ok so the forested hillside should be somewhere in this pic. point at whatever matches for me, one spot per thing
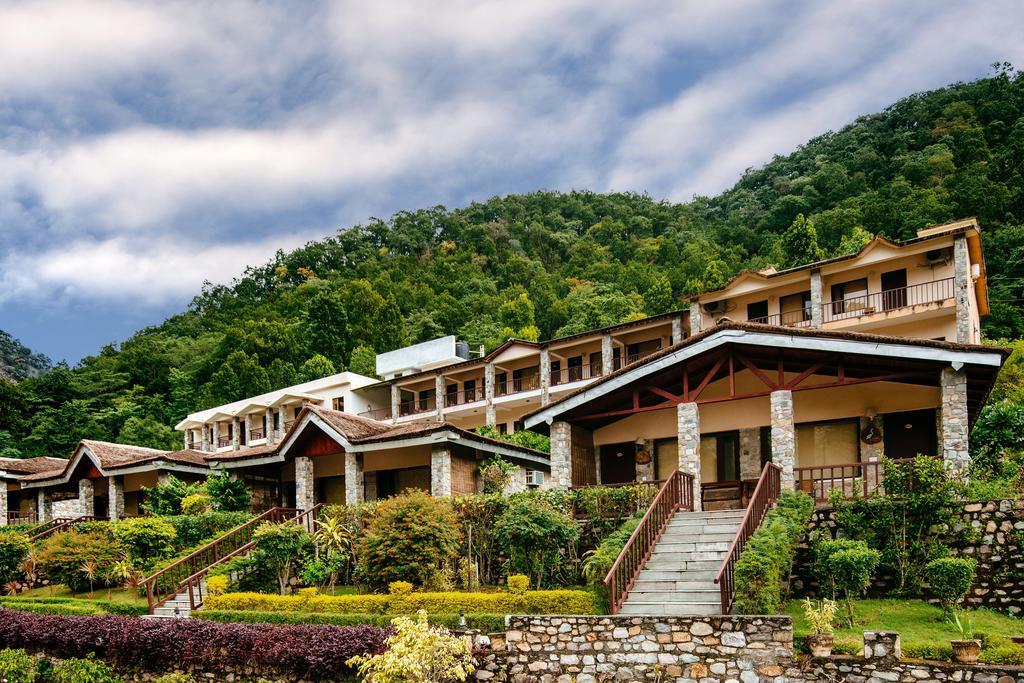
(546, 264)
(17, 361)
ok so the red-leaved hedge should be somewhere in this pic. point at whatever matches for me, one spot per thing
(162, 644)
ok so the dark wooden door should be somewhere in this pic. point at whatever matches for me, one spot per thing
(894, 289)
(909, 434)
(618, 463)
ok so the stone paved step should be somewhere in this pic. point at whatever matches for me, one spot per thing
(719, 532)
(678, 574)
(673, 546)
(670, 564)
(643, 585)
(671, 597)
(672, 610)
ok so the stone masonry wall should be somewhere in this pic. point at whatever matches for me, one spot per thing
(998, 547)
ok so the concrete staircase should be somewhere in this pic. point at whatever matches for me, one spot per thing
(679, 577)
(177, 607)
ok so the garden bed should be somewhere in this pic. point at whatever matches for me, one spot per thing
(924, 631)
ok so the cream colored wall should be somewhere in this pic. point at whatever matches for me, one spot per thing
(396, 458)
(660, 332)
(941, 325)
(329, 465)
(135, 482)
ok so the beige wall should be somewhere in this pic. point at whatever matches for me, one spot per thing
(396, 458)
(329, 465)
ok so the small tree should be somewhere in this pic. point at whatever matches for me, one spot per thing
(282, 547)
(14, 548)
(146, 539)
(496, 474)
(950, 579)
(418, 653)
(846, 567)
(534, 532)
(227, 494)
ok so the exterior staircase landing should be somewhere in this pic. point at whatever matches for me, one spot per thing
(679, 577)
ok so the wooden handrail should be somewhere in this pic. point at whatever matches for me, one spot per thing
(57, 525)
(819, 481)
(767, 491)
(675, 494)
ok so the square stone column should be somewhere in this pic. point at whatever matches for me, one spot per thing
(688, 446)
(606, 355)
(86, 497)
(750, 453)
(816, 300)
(561, 457)
(280, 422)
(268, 426)
(439, 396)
(3, 503)
(236, 433)
(44, 506)
(304, 494)
(961, 291)
(215, 437)
(440, 470)
(694, 318)
(784, 436)
(492, 414)
(644, 471)
(953, 442)
(353, 478)
(677, 329)
(115, 498)
(247, 434)
(203, 443)
(545, 376)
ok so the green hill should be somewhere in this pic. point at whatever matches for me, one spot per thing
(548, 263)
(17, 362)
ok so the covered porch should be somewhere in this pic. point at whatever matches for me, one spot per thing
(823, 406)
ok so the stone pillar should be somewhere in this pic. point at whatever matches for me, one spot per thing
(247, 434)
(816, 299)
(268, 426)
(961, 283)
(883, 647)
(163, 476)
(440, 470)
(185, 443)
(85, 497)
(236, 428)
(215, 437)
(370, 486)
(545, 376)
(439, 397)
(644, 471)
(492, 414)
(870, 453)
(280, 420)
(694, 318)
(3, 503)
(606, 354)
(561, 457)
(784, 435)
(304, 494)
(353, 478)
(688, 445)
(204, 444)
(44, 506)
(953, 421)
(750, 453)
(677, 329)
(115, 498)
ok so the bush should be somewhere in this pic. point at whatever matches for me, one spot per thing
(217, 585)
(410, 539)
(196, 504)
(308, 652)
(61, 557)
(86, 670)
(998, 431)
(767, 558)
(531, 602)
(399, 588)
(599, 561)
(196, 530)
(165, 498)
(14, 547)
(227, 494)
(534, 533)
(18, 666)
(518, 584)
(496, 473)
(418, 653)
(175, 678)
(146, 539)
(282, 547)
(488, 623)
(846, 567)
(950, 579)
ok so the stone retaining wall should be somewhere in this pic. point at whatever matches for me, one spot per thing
(998, 547)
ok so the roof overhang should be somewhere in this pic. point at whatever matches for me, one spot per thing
(83, 452)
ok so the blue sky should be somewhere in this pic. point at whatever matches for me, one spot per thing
(147, 147)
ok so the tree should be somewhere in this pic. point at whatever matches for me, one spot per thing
(363, 361)
(227, 494)
(282, 547)
(799, 243)
(281, 374)
(241, 375)
(658, 297)
(315, 368)
(58, 430)
(325, 327)
(148, 432)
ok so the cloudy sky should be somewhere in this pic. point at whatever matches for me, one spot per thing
(145, 148)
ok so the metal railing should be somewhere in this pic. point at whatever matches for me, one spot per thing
(890, 299)
(377, 414)
(18, 517)
(416, 406)
(223, 441)
(517, 385)
(799, 318)
(255, 434)
(620, 362)
(675, 494)
(576, 373)
(195, 584)
(56, 526)
(766, 492)
(865, 478)
(464, 396)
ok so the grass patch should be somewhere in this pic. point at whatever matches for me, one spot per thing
(924, 631)
(118, 595)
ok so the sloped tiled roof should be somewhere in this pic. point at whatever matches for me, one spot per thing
(32, 465)
(112, 456)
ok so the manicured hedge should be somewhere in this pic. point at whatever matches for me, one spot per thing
(310, 652)
(488, 623)
(767, 558)
(531, 602)
(72, 606)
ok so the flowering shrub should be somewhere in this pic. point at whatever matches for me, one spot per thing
(418, 653)
(61, 557)
(160, 644)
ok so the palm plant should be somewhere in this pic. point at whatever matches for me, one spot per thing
(126, 574)
(334, 539)
(90, 569)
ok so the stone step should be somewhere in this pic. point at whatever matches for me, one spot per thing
(672, 609)
(673, 546)
(701, 522)
(687, 556)
(706, 575)
(686, 530)
(645, 585)
(669, 564)
(673, 596)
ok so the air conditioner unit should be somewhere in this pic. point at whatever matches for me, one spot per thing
(716, 306)
(936, 256)
(534, 478)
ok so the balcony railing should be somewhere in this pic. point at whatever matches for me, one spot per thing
(859, 478)
(891, 299)
(800, 318)
(377, 414)
(576, 373)
(517, 385)
(256, 434)
(417, 406)
(223, 441)
(617, 363)
(458, 398)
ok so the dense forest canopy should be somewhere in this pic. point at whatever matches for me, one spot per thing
(546, 264)
(17, 361)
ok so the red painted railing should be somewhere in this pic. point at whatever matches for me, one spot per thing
(675, 494)
(179, 576)
(863, 477)
(766, 492)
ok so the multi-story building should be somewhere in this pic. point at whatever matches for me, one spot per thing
(820, 368)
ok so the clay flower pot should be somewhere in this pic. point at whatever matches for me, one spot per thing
(820, 644)
(966, 651)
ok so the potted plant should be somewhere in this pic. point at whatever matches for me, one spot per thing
(967, 649)
(819, 616)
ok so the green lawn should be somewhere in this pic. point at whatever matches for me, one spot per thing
(100, 595)
(924, 632)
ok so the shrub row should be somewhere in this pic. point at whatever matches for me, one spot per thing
(160, 644)
(488, 623)
(767, 558)
(72, 606)
(531, 602)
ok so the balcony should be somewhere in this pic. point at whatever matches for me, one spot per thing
(800, 318)
(892, 299)
(458, 398)
(255, 434)
(223, 441)
(517, 385)
(417, 406)
(576, 373)
(617, 363)
(377, 414)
